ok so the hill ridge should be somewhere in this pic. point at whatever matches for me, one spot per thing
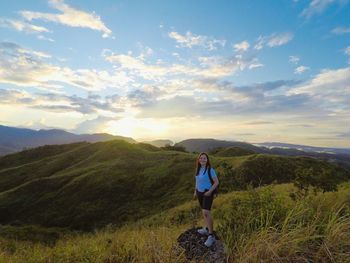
(94, 184)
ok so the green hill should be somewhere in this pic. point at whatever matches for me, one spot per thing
(90, 185)
(84, 185)
(232, 152)
(315, 229)
(206, 145)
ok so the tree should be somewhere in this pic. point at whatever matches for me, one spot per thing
(322, 179)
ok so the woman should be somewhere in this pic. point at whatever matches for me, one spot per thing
(204, 192)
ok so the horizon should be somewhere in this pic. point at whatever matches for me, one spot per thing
(238, 71)
(139, 140)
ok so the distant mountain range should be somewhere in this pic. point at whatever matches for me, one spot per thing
(206, 145)
(304, 147)
(334, 155)
(16, 139)
(13, 139)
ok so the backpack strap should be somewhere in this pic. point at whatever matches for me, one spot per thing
(215, 192)
(210, 178)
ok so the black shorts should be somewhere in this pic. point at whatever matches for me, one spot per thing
(205, 201)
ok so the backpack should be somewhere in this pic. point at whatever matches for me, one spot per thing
(216, 190)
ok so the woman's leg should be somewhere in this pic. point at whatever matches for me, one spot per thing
(205, 218)
(208, 220)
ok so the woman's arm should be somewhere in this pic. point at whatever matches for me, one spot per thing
(212, 188)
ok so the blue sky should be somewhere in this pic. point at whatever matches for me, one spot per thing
(252, 71)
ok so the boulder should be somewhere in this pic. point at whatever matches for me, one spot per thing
(194, 249)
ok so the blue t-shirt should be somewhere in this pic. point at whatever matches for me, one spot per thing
(202, 179)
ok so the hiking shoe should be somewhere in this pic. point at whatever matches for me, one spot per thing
(203, 231)
(210, 241)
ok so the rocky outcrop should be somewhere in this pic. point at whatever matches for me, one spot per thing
(194, 249)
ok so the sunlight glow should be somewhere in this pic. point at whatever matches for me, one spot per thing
(137, 128)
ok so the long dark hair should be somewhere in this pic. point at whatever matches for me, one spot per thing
(198, 165)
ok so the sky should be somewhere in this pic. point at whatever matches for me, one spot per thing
(254, 71)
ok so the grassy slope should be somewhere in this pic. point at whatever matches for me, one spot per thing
(84, 185)
(188, 213)
(233, 151)
(99, 182)
(153, 239)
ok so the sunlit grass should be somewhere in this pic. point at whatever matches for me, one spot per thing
(126, 244)
(316, 229)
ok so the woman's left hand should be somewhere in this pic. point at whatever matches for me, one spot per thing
(208, 193)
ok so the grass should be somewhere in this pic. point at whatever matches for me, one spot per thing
(126, 244)
(264, 226)
(142, 193)
(277, 229)
(84, 186)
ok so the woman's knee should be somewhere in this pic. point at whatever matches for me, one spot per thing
(206, 213)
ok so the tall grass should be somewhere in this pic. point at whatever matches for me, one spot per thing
(262, 228)
(127, 244)
(262, 225)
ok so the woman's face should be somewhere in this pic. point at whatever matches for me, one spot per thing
(203, 160)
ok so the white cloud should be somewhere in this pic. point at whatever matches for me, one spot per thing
(214, 98)
(273, 40)
(28, 68)
(328, 95)
(242, 46)
(70, 17)
(144, 50)
(38, 124)
(137, 66)
(301, 69)
(148, 51)
(209, 67)
(341, 30)
(92, 79)
(24, 67)
(318, 6)
(98, 124)
(190, 40)
(257, 65)
(294, 59)
(260, 43)
(29, 53)
(61, 103)
(41, 37)
(145, 95)
(347, 51)
(22, 26)
(279, 39)
(14, 97)
(329, 86)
